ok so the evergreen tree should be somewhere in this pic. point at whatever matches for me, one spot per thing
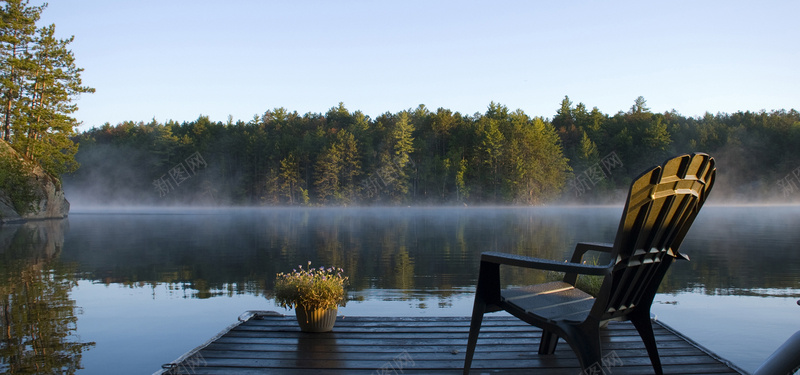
(588, 150)
(565, 122)
(17, 33)
(327, 170)
(538, 168)
(351, 166)
(491, 150)
(398, 166)
(639, 106)
(39, 82)
(290, 181)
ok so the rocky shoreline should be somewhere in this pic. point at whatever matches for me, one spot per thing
(49, 201)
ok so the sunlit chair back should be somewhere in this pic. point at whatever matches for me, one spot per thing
(661, 206)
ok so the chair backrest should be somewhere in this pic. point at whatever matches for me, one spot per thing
(662, 204)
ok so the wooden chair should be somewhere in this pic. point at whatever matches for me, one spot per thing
(662, 204)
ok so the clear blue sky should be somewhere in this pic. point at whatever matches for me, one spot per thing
(180, 59)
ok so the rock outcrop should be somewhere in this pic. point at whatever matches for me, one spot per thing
(49, 200)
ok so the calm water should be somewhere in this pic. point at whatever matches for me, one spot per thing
(127, 290)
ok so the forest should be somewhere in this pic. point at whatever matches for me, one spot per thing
(420, 156)
(416, 156)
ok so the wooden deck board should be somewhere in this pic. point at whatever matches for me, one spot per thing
(273, 344)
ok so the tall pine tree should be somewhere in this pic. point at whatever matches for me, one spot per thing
(39, 84)
(17, 33)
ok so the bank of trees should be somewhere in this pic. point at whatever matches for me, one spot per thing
(38, 82)
(339, 158)
(754, 150)
(421, 156)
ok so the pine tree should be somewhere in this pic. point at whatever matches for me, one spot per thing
(552, 166)
(350, 165)
(290, 181)
(39, 83)
(54, 82)
(17, 33)
(491, 148)
(403, 146)
(327, 169)
(588, 150)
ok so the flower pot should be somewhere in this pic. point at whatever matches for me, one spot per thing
(315, 320)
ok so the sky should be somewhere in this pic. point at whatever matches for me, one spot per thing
(179, 59)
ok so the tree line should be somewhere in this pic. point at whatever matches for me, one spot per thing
(420, 156)
(38, 82)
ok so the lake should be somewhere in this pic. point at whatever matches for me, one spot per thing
(127, 290)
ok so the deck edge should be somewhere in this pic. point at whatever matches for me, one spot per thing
(702, 348)
(243, 318)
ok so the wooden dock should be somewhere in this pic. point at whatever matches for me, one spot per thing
(270, 343)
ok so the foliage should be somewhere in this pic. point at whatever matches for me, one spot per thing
(39, 83)
(336, 158)
(418, 156)
(16, 182)
(756, 149)
(311, 288)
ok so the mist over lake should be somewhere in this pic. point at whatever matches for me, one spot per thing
(146, 285)
(185, 204)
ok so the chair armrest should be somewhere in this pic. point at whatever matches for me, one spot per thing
(582, 247)
(544, 264)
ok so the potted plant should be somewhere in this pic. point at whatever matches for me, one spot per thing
(314, 293)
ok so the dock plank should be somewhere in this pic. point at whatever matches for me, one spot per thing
(273, 344)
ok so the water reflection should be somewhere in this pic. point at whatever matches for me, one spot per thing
(37, 316)
(746, 251)
(734, 250)
(401, 261)
(240, 251)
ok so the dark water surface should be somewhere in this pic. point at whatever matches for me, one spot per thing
(124, 291)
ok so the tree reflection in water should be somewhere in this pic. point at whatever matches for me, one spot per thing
(410, 251)
(399, 260)
(37, 316)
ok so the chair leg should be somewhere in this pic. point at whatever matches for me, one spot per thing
(486, 294)
(645, 327)
(548, 343)
(474, 329)
(585, 341)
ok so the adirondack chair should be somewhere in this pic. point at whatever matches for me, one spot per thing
(662, 204)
